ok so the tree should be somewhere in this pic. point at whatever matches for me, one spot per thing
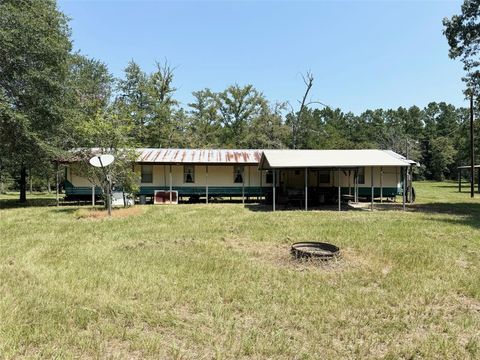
(204, 122)
(89, 93)
(442, 155)
(238, 106)
(147, 99)
(134, 102)
(108, 134)
(267, 131)
(166, 122)
(295, 120)
(463, 35)
(34, 49)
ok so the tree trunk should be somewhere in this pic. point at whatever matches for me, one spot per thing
(49, 186)
(23, 184)
(31, 181)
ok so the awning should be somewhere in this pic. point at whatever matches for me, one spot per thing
(275, 159)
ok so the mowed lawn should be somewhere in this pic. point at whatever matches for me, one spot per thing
(217, 281)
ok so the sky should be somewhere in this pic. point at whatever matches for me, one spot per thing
(363, 54)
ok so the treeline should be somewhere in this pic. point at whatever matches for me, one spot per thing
(53, 100)
(144, 106)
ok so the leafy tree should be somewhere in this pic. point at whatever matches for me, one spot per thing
(34, 49)
(442, 155)
(107, 134)
(89, 93)
(133, 101)
(204, 122)
(166, 123)
(463, 35)
(238, 106)
(267, 131)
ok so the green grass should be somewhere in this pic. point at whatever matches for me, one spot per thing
(217, 281)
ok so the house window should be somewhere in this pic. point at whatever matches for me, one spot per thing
(324, 177)
(238, 174)
(189, 174)
(147, 174)
(361, 175)
(269, 177)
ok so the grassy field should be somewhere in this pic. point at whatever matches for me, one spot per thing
(216, 281)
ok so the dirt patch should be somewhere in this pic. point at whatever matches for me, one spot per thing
(279, 255)
(97, 214)
(118, 349)
(469, 303)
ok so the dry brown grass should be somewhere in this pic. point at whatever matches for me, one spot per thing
(218, 281)
(99, 214)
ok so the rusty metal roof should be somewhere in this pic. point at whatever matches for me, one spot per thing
(199, 156)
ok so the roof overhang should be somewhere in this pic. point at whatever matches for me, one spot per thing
(281, 159)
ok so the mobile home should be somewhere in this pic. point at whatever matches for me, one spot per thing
(306, 177)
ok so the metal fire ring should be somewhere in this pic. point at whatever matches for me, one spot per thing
(319, 250)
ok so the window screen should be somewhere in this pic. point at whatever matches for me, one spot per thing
(361, 175)
(147, 173)
(269, 177)
(189, 174)
(238, 174)
(324, 177)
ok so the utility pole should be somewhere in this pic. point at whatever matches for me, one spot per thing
(472, 153)
(406, 148)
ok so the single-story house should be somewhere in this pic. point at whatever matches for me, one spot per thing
(306, 177)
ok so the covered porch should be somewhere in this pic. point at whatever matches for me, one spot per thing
(309, 179)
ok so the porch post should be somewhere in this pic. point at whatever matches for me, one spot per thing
(349, 187)
(206, 183)
(243, 185)
(410, 184)
(459, 180)
(371, 187)
(274, 186)
(170, 184)
(306, 189)
(339, 191)
(356, 186)
(404, 187)
(57, 185)
(381, 184)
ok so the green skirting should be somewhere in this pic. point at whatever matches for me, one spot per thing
(226, 191)
(71, 190)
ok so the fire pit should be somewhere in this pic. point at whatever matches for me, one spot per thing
(318, 250)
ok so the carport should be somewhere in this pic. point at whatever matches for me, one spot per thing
(345, 169)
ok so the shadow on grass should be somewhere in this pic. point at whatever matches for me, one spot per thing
(37, 202)
(469, 213)
(465, 213)
(268, 208)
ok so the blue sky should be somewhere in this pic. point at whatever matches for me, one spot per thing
(363, 54)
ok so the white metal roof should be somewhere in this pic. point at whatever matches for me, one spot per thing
(330, 158)
(199, 156)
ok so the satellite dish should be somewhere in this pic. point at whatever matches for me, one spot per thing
(101, 160)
